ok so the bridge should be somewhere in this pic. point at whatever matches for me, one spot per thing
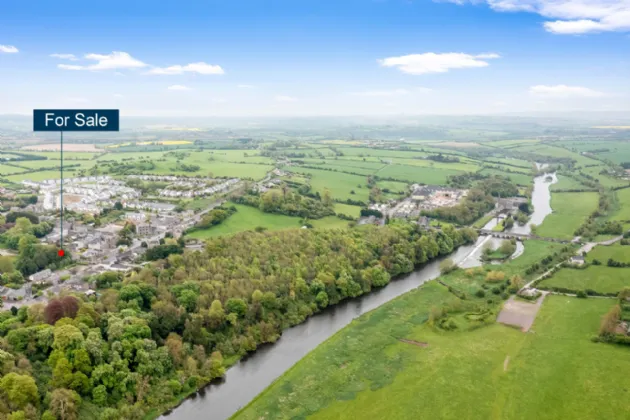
(518, 236)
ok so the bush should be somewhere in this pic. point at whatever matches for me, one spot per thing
(447, 266)
(581, 294)
(480, 293)
(504, 296)
(495, 276)
(496, 290)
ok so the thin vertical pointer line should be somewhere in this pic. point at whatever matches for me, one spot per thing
(61, 194)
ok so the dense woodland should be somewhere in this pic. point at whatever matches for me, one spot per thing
(158, 334)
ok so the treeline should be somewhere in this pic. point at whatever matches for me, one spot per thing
(214, 217)
(126, 168)
(289, 203)
(155, 336)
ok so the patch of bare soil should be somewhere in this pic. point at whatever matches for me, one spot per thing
(520, 314)
(413, 342)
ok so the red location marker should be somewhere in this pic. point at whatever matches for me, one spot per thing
(61, 253)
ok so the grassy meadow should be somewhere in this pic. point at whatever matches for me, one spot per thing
(490, 372)
(570, 210)
(599, 278)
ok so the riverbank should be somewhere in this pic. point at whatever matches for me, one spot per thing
(366, 371)
(252, 374)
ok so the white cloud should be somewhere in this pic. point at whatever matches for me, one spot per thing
(245, 86)
(564, 91)
(570, 16)
(178, 87)
(70, 57)
(115, 60)
(285, 98)
(118, 95)
(436, 62)
(9, 49)
(200, 68)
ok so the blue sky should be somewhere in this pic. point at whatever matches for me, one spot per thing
(315, 57)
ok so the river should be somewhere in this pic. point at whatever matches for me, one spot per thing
(256, 372)
(253, 374)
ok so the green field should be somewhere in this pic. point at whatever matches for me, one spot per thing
(617, 151)
(339, 184)
(605, 180)
(249, 218)
(393, 186)
(465, 166)
(347, 209)
(66, 155)
(492, 372)
(599, 278)
(559, 152)
(616, 251)
(517, 178)
(570, 210)
(567, 183)
(622, 210)
(419, 174)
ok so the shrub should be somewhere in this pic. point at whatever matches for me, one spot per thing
(496, 290)
(581, 294)
(480, 293)
(447, 266)
(495, 276)
(504, 296)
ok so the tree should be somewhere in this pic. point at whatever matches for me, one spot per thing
(19, 390)
(64, 404)
(447, 265)
(236, 306)
(321, 299)
(610, 321)
(118, 205)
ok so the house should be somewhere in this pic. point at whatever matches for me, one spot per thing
(424, 222)
(577, 259)
(511, 203)
(144, 229)
(42, 275)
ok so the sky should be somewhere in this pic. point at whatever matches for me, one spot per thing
(315, 57)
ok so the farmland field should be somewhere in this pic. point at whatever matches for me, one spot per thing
(518, 178)
(363, 371)
(419, 174)
(570, 210)
(70, 147)
(622, 211)
(599, 278)
(348, 210)
(605, 180)
(559, 152)
(567, 183)
(616, 252)
(248, 218)
(339, 184)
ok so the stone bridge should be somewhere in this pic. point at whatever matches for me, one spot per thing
(518, 236)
